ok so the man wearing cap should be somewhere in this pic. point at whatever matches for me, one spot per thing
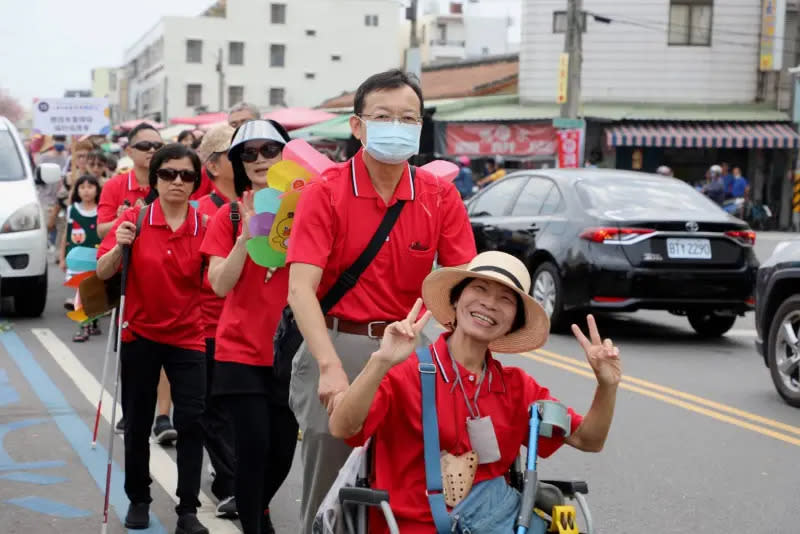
(335, 219)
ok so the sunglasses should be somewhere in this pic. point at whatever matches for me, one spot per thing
(169, 175)
(268, 150)
(145, 146)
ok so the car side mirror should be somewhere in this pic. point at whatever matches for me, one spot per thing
(50, 173)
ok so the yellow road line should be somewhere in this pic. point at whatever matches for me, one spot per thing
(683, 395)
(578, 369)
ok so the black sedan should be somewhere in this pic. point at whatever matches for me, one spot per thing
(778, 318)
(596, 239)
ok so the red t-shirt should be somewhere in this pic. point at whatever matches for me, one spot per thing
(252, 308)
(338, 215)
(117, 190)
(164, 278)
(206, 186)
(395, 422)
(212, 304)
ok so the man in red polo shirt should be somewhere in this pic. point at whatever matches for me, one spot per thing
(335, 219)
(118, 195)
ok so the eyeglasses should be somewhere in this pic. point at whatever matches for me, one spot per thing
(268, 150)
(145, 146)
(385, 117)
(169, 175)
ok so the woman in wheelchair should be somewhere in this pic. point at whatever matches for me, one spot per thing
(482, 405)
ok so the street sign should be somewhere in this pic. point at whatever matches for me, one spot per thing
(773, 23)
(563, 77)
(71, 116)
(568, 124)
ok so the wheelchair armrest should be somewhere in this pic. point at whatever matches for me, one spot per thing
(569, 487)
(363, 496)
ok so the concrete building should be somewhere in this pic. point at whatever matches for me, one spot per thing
(463, 33)
(106, 84)
(270, 53)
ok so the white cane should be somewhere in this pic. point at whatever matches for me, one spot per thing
(109, 346)
(126, 254)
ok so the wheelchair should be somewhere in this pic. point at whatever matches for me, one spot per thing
(553, 508)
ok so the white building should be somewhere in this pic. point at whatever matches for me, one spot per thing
(692, 51)
(106, 84)
(273, 53)
(464, 33)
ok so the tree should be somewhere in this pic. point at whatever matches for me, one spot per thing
(9, 107)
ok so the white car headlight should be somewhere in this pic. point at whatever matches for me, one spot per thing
(25, 218)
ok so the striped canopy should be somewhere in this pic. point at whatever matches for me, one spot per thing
(704, 135)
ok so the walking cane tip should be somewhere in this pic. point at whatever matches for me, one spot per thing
(94, 445)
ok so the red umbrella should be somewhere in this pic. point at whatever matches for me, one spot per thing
(293, 118)
(197, 120)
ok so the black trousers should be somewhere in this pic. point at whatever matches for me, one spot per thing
(266, 436)
(142, 361)
(218, 434)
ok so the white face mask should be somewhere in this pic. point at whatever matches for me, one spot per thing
(392, 142)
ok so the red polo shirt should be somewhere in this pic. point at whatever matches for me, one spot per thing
(252, 308)
(117, 190)
(212, 304)
(395, 421)
(164, 279)
(206, 186)
(338, 215)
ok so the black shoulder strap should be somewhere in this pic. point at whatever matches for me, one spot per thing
(216, 199)
(235, 218)
(348, 279)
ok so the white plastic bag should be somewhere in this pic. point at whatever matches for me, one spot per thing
(329, 516)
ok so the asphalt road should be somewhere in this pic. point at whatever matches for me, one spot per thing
(700, 442)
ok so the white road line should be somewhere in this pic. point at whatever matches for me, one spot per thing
(162, 467)
(742, 333)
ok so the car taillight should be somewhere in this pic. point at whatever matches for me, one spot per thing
(602, 235)
(748, 237)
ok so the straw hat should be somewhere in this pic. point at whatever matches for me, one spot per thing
(217, 139)
(496, 267)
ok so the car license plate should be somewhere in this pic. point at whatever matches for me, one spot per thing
(690, 249)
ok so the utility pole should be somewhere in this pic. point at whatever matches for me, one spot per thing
(221, 77)
(413, 58)
(573, 45)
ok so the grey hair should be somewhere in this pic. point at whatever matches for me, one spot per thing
(244, 106)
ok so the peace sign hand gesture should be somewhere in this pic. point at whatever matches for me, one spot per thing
(603, 356)
(400, 338)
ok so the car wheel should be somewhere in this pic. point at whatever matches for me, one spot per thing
(783, 351)
(710, 323)
(546, 290)
(31, 301)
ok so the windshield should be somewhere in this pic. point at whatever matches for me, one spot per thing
(10, 165)
(630, 198)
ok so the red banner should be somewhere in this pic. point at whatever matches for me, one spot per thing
(569, 148)
(493, 139)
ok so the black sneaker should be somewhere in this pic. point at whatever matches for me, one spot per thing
(189, 524)
(163, 430)
(138, 517)
(120, 428)
(226, 509)
(266, 525)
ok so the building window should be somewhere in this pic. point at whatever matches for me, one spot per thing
(560, 22)
(112, 81)
(370, 20)
(236, 53)
(485, 50)
(194, 95)
(194, 51)
(235, 94)
(336, 57)
(310, 75)
(277, 55)
(690, 22)
(278, 14)
(276, 96)
(311, 33)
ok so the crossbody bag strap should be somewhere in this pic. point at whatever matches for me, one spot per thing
(216, 199)
(348, 279)
(430, 438)
(235, 218)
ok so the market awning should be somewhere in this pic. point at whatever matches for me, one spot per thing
(294, 118)
(204, 118)
(337, 128)
(704, 135)
(133, 123)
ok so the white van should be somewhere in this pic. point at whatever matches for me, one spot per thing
(23, 233)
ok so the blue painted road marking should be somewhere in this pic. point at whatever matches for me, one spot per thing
(46, 506)
(33, 478)
(74, 429)
(7, 463)
(8, 395)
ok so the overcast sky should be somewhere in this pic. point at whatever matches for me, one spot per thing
(48, 46)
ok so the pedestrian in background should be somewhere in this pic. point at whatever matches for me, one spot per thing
(241, 113)
(186, 138)
(463, 181)
(740, 184)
